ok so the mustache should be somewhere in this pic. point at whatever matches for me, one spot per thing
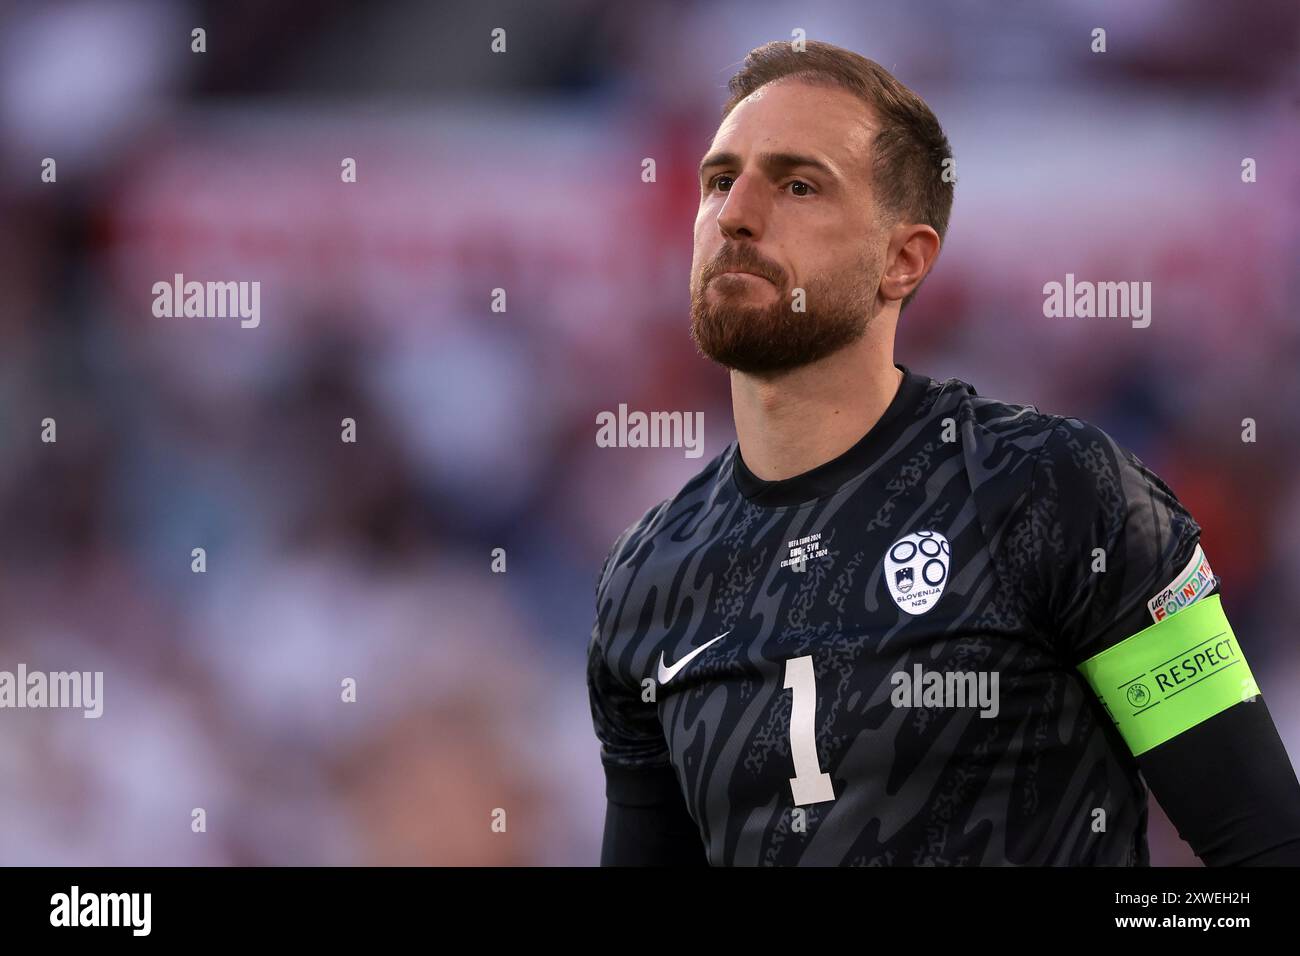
(745, 258)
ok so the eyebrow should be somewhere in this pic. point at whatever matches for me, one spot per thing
(773, 162)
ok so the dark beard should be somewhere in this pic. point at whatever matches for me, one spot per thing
(775, 338)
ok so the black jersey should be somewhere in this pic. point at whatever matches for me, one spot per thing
(875, 662)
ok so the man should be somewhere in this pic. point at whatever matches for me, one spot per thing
(897, 622)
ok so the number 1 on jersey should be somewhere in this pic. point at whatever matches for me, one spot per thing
(809, 783)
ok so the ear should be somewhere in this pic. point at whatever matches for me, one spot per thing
(913, 249)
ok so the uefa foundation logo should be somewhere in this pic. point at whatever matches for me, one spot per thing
(916, 569)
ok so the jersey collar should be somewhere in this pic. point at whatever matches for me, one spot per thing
(829, 477)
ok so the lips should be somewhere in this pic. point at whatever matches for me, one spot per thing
(742, 272)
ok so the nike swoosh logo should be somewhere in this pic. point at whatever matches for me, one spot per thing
(668, 673)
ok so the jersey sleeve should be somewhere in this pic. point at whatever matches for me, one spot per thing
(646, 819)
(1121, 552)
(627, 726)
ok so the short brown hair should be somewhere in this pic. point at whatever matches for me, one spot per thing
(908, 151)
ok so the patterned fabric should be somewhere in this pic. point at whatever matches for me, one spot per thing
(1033, 543)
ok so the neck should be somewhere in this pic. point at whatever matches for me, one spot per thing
(791, 422)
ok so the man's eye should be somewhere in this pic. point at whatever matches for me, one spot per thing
(717, 181)
(800, 188)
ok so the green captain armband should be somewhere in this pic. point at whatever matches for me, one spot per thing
(1172, 675)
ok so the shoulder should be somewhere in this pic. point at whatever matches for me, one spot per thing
(638, 537)
(1088, 494)
(1082, 462)
(1057, 481)
(992, 423)
(1003, 438)
(1001, 443)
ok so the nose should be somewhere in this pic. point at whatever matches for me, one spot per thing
(743, 213)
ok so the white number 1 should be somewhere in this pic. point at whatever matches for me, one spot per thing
(809, 784)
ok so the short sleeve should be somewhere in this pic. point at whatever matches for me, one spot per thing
(628, 728)
(1121, 552)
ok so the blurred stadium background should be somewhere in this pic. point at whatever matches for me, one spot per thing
(477, 429)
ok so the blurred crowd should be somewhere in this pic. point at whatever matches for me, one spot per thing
(475, 428)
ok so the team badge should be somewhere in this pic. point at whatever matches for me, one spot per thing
(916, 568)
